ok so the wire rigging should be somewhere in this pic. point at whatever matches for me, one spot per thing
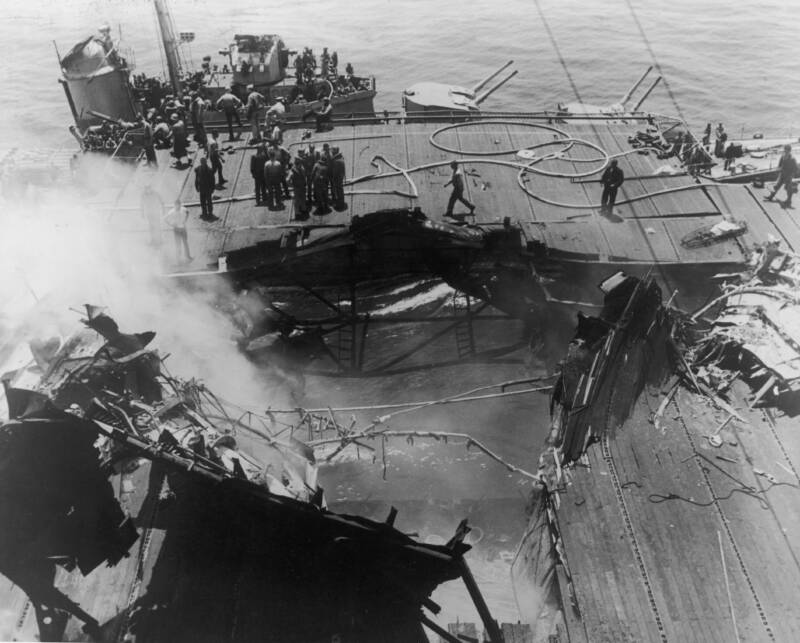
(656, 64)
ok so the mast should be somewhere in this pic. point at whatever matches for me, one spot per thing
(170, 45)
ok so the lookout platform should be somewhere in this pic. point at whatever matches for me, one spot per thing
(404, 163)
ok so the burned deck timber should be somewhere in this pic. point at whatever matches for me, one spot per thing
(109, 461)
(667, 512)
(540, 172)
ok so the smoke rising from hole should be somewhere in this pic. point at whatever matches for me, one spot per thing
(57, 253)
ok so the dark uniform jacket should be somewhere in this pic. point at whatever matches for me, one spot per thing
(298, 178)
(204, 179)
(337, 168)
(257, 166)
(612, 177)
(788, 166)
(320, 174)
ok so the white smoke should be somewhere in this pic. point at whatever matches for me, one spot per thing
(58, 253)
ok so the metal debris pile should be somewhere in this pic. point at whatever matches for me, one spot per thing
(755, 334)
(332, 438)
(608, 363)
(116, 380)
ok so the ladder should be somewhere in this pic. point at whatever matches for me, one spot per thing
(465, 336)
(346, 344)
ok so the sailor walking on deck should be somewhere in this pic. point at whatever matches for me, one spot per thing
(285, 159)
(230, 104)
(787, 170)
(274, 175)
(148, 143)
(198, 112)
(298, 179)
(319, 177)
(215, 157)
(179, 142)
(257, 162)
(322, 116)
(612, 178)
(337, 171)
(204, 183)
(309, 161)
(176, 219)
(457, 181)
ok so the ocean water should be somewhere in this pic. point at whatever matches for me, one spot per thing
(723, 61)
(735, 62)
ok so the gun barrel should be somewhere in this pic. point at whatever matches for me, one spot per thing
(491, 91)
(481, 84)
(104, 117)
(627, 96)
(647, 93)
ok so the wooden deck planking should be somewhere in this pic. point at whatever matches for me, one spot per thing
(518, 138)
(432, 195)
(394, 150)
(349, 152)
(464, 138)
(645, 241)
(556, 199)
(632, 187)
(603, 549)
(668, 561)
(737, 204)
(662, 581)
(492, 188)
(764, 219)
(678, 540)
(554, 191)
(700, 420)
(671, 555)
(649, 234)
(581, 236)
(762, 533)
(724, 251)
(615, 140)
(341, 138)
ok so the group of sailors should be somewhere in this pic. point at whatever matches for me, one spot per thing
(105, 137)
(305, 73)
(316, 178)
(312, 179)
(305, 65)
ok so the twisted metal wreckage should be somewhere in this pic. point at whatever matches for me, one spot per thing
(105, 448)
(638, 343)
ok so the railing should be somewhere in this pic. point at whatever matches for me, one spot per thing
(452, 116)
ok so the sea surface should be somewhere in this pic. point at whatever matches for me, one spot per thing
(731, 62)
(736, 62)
